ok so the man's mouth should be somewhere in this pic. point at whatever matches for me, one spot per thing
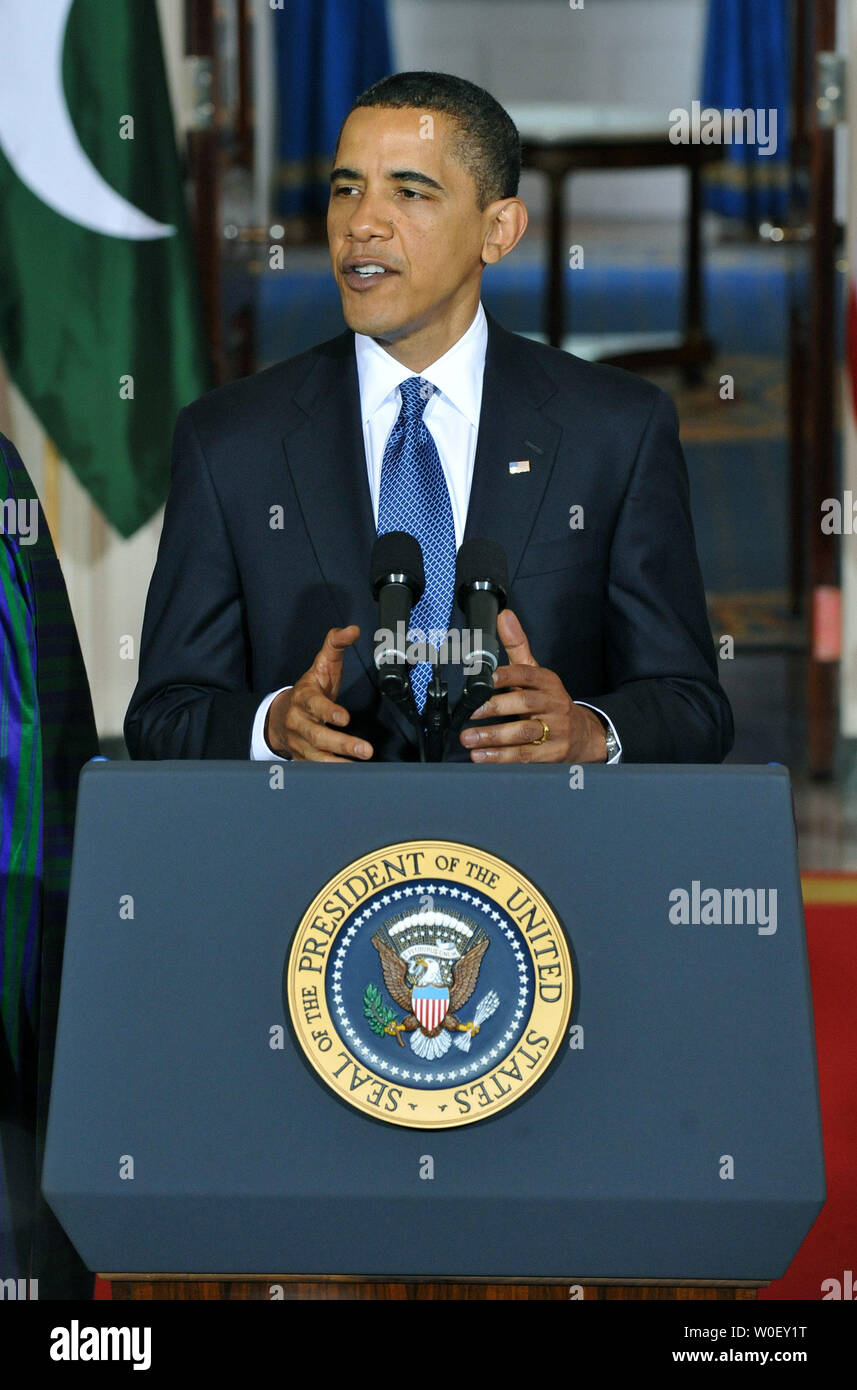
(364, 274)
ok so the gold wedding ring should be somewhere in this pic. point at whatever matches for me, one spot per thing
(545, 733)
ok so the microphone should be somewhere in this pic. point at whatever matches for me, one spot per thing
(398, 580)
(481, 588)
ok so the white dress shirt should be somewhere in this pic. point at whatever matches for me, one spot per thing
(452, 417)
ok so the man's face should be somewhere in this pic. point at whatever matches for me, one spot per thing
(401, 202)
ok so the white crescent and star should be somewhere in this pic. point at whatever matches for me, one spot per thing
(36, 132)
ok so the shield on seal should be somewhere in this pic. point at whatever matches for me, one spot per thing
(430, 1005)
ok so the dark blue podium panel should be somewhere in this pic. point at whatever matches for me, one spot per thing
(675, 1136)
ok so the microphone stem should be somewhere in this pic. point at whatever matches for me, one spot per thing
(478, 689)
(436, 716)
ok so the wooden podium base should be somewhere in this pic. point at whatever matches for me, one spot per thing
(272, 1288)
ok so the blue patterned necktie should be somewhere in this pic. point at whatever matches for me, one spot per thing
(414, 498)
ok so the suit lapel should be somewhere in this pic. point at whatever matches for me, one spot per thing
(512, 427)
(325, 454)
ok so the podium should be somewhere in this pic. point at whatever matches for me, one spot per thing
(667, 1133)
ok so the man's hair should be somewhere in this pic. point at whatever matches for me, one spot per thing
(487, 143)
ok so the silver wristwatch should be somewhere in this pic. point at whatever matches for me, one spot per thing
(612, 742)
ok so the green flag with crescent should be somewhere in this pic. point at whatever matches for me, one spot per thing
(99, 319)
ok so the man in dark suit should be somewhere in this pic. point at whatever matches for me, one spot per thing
(427, 416)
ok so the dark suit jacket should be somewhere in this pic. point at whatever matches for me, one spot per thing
(243, 593)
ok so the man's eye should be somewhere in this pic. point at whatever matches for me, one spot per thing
(411, 194)
(343, 188)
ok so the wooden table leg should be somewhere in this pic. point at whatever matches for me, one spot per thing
(555, 279)
(693, 313)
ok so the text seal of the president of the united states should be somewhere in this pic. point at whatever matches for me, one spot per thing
(429, 984)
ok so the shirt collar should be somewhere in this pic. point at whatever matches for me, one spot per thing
(457, 375)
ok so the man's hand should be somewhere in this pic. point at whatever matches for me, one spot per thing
(540, 702)
(298, 720)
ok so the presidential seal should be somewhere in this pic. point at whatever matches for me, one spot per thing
(429, 984)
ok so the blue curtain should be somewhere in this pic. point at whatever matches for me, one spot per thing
(747, 64)
(328, 52)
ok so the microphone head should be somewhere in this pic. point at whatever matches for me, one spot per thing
(481, 562)
(397, 552)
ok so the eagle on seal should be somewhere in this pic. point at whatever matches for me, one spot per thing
(431, 993)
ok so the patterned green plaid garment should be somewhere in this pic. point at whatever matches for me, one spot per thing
(47, 733)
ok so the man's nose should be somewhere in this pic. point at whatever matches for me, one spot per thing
(367, 218)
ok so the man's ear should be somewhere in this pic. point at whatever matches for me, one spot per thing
(506, 222)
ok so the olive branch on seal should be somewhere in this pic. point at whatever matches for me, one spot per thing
(376, 1011)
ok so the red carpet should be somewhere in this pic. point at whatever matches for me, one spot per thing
(830, 1249)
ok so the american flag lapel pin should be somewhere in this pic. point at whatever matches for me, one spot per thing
(520, 466)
